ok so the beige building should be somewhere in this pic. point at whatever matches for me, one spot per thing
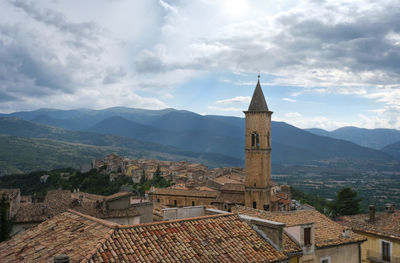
(321, 239)
(383, 233)
(182, 197)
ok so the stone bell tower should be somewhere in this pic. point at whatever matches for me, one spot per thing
(258, 152)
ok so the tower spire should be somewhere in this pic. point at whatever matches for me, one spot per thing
(258, 103)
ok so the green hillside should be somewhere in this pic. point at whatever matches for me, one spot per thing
(19, 155)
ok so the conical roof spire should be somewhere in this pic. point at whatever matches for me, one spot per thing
(258, 103)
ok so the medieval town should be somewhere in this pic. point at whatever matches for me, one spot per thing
(206, 215)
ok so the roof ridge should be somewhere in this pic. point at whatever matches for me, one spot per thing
(175, 220)
(97, 220)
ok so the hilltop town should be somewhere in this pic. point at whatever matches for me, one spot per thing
(203, 215)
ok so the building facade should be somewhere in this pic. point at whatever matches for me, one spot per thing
(382, 231)
(258, 152)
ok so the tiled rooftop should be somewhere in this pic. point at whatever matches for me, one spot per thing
(327, 232)
(218, 238)
(198, 193)
(385, 224)
(59, 201)
(67, 233)
(289, 245)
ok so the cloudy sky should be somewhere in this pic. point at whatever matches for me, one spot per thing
(323, 64)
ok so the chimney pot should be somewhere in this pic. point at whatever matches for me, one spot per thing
(61, 258)
(371, 213)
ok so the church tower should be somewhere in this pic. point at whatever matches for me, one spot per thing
(258, 152)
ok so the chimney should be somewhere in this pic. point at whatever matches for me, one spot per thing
(61, 259)
(346, 233)
(371, 213)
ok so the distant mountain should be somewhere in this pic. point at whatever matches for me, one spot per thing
(82, 119)
(393, 149)
(177, 134)
(193, 133)
(320, 132)
(28, 129)
(373, 138)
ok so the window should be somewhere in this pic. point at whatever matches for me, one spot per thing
(386, 249)
(192, 203)
(254, 204)
(158, 200)
(307, 236)
(326, 260)
(175, 203)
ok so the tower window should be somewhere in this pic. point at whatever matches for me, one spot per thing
(255, 139)
(175, 203)
(192, 203)
(254, 204)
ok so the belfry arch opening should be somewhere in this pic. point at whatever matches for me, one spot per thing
(255, 139)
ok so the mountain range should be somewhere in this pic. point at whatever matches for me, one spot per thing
(183, 135)
(372, 138)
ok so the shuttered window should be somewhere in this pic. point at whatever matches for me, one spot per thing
(385, 251)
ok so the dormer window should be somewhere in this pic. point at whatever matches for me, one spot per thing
(307, 236)
(255, 140)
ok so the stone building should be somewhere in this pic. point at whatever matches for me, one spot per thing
(182, 197)
(258, 152)
(117, 208)
(257, 191)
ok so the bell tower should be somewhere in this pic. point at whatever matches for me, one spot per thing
(258, 152)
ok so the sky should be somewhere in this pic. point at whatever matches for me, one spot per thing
(323, 64)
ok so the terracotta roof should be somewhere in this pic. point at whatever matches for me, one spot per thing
(198, 193)
(67, 233)
(87, 196)
(217, 238)
(220, 238)
(289, 245)
(205, 188)
(385, 224)
(327, 232)
(225, 179)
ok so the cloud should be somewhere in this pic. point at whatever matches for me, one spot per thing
(238, 99)
(289, 100)
(292, 115)
(226, 109)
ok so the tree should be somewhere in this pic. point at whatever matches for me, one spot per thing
(143, 178)
(157, 175)
(346, 202)
(5, 221)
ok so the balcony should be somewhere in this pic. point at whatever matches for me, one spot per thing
(376, 257)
